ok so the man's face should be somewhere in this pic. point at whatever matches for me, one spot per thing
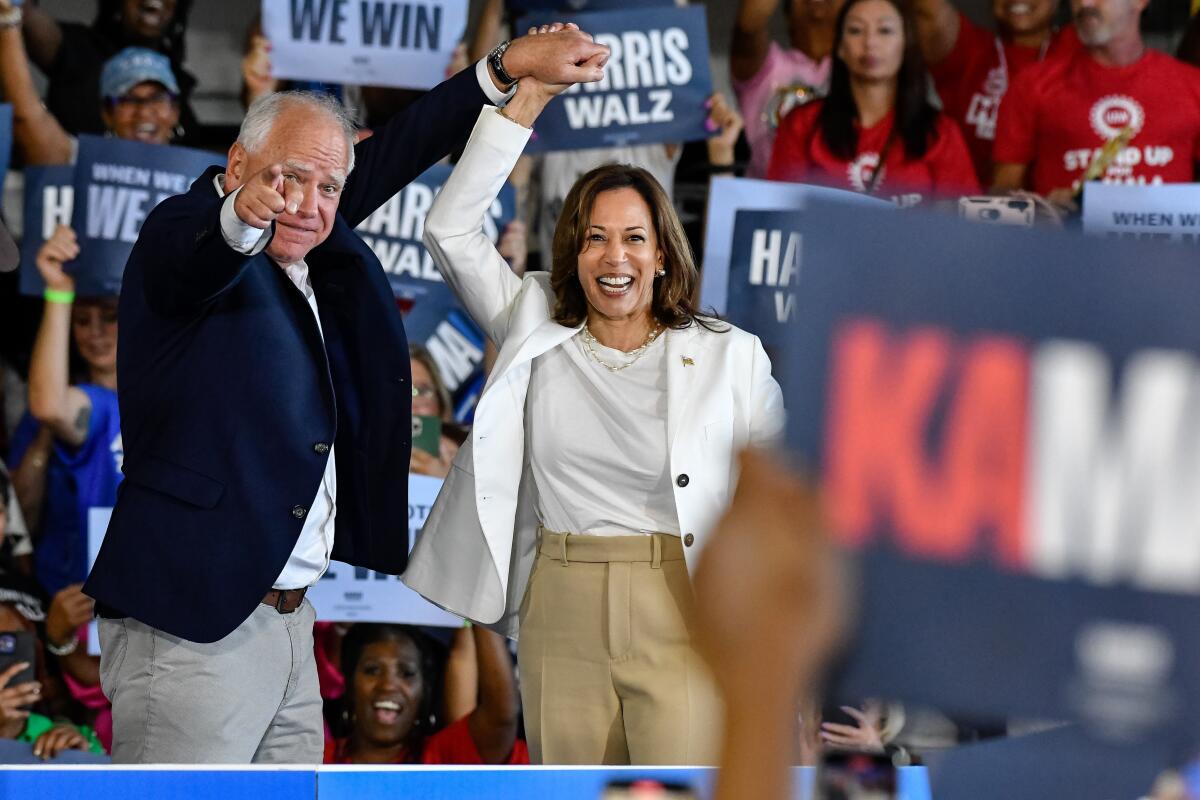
(1098, 22)
(312, 149)
(1016, 17)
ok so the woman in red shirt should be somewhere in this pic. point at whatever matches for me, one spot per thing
(877, 112)
(391, 703)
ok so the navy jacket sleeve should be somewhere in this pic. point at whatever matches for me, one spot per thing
(187, 261)
(411, 142)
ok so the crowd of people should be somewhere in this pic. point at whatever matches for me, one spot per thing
(907, 100)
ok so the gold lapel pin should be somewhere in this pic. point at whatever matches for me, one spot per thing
(687, 362)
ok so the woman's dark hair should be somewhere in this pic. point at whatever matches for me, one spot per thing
(915, 117)
(357, 639)
(1189, 45)
(672, 303)
(110, 22)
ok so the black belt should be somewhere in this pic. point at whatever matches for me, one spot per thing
(285, 601)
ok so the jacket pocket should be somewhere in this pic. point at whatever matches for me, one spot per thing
(175, 481)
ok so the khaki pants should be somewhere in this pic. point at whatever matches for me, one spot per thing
(608, 671)
(250, 697)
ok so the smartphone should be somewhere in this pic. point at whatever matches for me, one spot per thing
(427, 434)
(848, 775)
(15, 647)
(648, 790)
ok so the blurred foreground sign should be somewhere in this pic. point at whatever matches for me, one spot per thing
(1007, 426)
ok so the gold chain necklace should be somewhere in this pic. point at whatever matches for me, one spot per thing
(589, 340)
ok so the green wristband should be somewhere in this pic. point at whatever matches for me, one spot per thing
(59, 296)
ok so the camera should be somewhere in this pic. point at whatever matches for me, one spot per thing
(997, 210)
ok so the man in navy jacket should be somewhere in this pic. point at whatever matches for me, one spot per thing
(266, 416)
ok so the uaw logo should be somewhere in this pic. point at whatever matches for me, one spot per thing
(861, 170)
(1114, 113)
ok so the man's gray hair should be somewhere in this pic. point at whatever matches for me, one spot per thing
(263, 112)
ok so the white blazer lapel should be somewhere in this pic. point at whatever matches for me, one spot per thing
(541, 339)
(683, 356)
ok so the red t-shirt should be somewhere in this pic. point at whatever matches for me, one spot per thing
(801, 155)
(1058, 115)
(451, 745)
(973, 78)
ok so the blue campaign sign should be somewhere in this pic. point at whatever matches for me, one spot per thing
(516, 7)
(120, 783)
(654, 88)
(49, 198)
(406, 43)
(432, 315)
(117, 183)
(1005, 426)
(727, 197)
(6, 139)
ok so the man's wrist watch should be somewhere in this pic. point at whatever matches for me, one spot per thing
(496, 62)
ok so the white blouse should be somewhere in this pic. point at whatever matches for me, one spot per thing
(597, 441)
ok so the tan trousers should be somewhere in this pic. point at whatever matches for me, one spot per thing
(608, 671)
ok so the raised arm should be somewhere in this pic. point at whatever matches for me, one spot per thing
(43, 36)
(454, 235)
(487, 29)
(493, 723)
(748, 50)
(937, 28)
(64, 409)
(38, 136)
(433, 126)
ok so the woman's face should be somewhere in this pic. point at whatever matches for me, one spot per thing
(146, 113)
(620, 255)
(147, 19)
(873, 41)
(94, 325)
(388, 689)
(425, 396)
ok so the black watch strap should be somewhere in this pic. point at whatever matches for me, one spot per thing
(496, 62)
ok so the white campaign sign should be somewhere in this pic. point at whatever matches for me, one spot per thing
(344, 593)
(352, 594)
(1166, 212)
(369, 42)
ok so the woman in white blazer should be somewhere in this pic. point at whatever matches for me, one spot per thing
(602, 452)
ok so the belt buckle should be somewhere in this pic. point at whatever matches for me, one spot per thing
(280, 600)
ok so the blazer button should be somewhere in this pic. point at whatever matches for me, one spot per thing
(299, 511)
(321, 447)
(689, 540)
(682, 480)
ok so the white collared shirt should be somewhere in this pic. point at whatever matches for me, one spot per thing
(310, 557)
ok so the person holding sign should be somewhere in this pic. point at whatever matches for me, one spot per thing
(84, 455)
(139, 101)
(602, 451)
(1113, 110)
(876, 131)
(266, 401)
